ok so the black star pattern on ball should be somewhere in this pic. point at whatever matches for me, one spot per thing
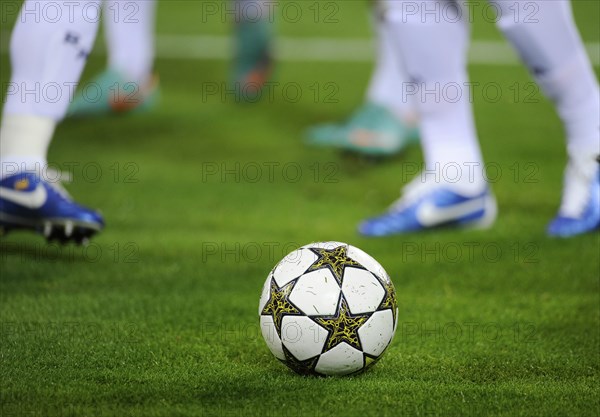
(343, 327)
(389, 301)
(336, 260)
(279, 304)
(306, 367)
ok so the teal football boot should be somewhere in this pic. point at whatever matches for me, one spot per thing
(111, 93)
(253, 60)
(372, 130)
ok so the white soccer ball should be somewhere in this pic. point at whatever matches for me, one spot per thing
(328, 309)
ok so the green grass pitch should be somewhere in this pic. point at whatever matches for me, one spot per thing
(158, 316)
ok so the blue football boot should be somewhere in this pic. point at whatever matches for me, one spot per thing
(426, 206)
(29, 202)
(580, 209)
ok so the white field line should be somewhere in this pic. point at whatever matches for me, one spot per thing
(327, 49)
(315, 49)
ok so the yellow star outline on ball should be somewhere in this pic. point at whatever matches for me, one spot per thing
(279, 304)
(343, 327)
(336, 260)
(389, 301)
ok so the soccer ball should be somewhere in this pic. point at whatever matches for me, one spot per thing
(328, 309)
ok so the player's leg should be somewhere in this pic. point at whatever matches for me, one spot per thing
(451, 189)
(128, 82)
(47, 58)
(389, 75)
(130, 37)
(253, 59)
(545, 35)
(386, 123)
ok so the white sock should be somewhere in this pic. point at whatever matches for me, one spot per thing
(47, 57)
(385, 88)
(434, 55)
(580, 171)
(129, 29)
(553, 51)
(24, 142)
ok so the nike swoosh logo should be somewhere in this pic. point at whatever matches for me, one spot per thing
(30, 199)
(429, 214)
